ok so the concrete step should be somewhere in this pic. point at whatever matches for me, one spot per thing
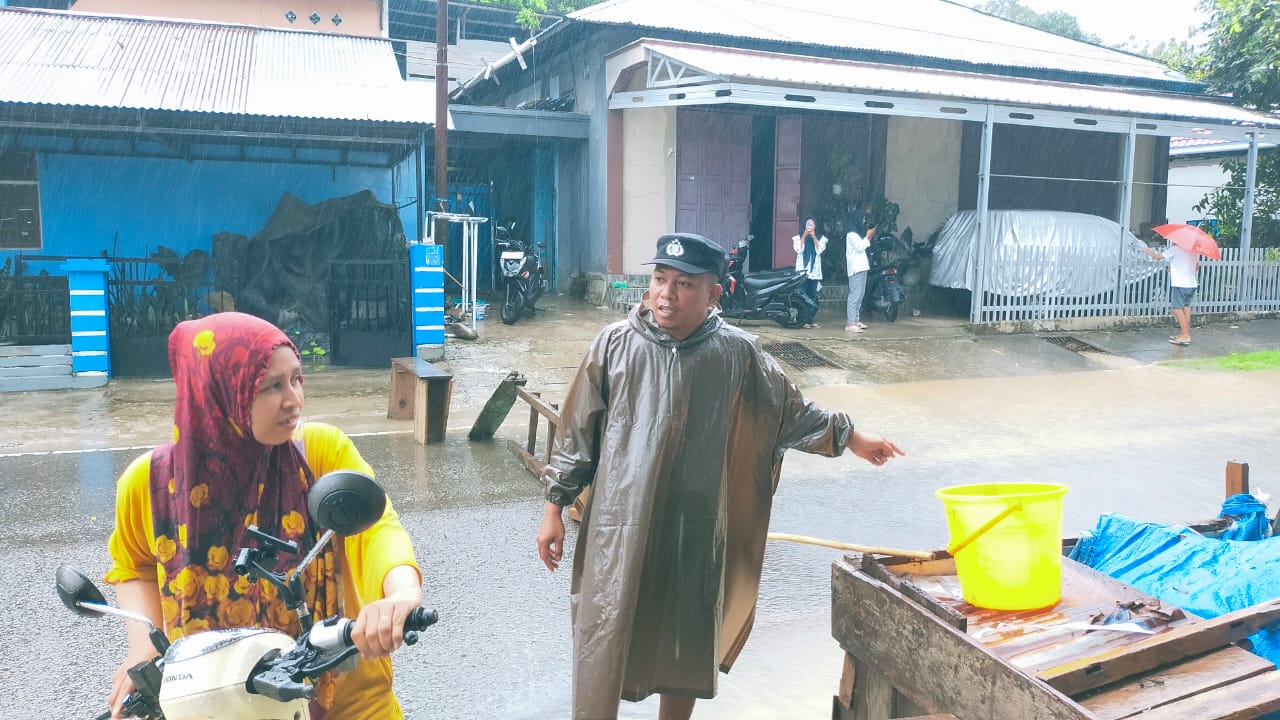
(19, 361)
(32, 350)
(50, 369)
(52, 382)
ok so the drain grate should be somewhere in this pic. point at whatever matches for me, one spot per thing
(797, 355)
(1074, 344)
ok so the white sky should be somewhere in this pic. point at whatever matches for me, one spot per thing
(1115, 21)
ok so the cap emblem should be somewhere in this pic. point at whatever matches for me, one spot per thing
(675, 249)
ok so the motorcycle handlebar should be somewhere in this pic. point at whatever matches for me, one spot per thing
(420, 619)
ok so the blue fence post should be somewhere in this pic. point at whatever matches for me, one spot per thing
(90, 337)
(427, 264)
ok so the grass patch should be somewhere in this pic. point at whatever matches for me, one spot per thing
(1262, 360)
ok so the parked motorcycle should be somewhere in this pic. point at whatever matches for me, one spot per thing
(776, 295)
(886, 289)
(521, 273)
(251, 673)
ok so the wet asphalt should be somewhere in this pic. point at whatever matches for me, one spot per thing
(1124, 431)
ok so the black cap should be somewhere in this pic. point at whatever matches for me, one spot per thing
(689, 253)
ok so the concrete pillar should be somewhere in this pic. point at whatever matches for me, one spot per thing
(427, 265)
(90, 336)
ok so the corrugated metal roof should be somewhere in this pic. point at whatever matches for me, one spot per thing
(60, 58)
(1181, 146)
(733, 65)
(925, 28)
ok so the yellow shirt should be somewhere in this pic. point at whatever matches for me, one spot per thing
(363, 694)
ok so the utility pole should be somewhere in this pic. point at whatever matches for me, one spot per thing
(442, 125)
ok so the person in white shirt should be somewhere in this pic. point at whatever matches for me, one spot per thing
(809, 245)
(1183, 268)
(856, 263)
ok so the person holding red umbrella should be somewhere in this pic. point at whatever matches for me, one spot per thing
(1186, 244)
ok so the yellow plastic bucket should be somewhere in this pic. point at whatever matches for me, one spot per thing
(1007, 543)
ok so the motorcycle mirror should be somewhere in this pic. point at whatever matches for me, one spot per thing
(74, 588)
(346, 502)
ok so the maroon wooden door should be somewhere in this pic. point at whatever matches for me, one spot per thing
(786, 189)
(713, 174)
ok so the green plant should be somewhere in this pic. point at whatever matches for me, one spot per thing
(145, 304)
(884, 215)
(32, 304)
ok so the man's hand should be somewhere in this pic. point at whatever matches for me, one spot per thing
(873, 448)
(551, 536)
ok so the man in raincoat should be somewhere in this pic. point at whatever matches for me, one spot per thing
(678, 423)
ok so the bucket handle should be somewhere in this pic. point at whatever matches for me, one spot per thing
(1009, 510)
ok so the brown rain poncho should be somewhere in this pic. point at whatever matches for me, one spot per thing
(682, 443)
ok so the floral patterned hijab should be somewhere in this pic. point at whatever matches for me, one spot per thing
(214, 480)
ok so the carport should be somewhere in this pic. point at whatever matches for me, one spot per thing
(658, 73)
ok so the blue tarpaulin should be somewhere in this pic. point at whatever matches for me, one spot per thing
(1202, 575)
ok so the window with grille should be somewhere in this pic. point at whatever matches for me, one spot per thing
(19, 202)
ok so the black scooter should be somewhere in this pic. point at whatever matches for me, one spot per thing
(776, 295)
(521, 274)
(886, 280)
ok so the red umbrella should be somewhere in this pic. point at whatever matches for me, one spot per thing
(1191, 238)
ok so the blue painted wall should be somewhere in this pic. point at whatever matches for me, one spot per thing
(85, 201)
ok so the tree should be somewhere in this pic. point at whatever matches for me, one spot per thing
(530, 12)
(1242, 59)
(1056, 22)
(1243, 54)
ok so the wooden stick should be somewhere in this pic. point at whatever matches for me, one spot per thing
(868, 549)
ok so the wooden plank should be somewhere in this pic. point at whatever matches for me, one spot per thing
(400, 399)
(439, 397)
(497, 408)
(848, 677)
(532, 445)
(904, 585)
(536, 403)
(531, 463)
(1175, 682)
(421, 368)
(420, 390)
(1237, 478)
(904, 708)
(1149, 653)
(872, 693)
(1243, 700)
(938, 667)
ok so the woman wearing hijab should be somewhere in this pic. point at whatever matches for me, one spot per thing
(809, 245)
(240, 455)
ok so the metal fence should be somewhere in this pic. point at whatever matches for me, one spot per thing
(369, 311)
(34, 309)
(1130, 289)
(146, 301)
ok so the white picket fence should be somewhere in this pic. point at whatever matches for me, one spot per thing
(1134, 288)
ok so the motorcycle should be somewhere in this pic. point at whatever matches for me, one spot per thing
(886, 289)
(251, 673)
(523, 278)
(883, 295)
(776, 295)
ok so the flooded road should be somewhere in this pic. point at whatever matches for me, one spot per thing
(1147, 441)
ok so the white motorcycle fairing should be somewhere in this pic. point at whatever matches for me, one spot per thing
(205, 676)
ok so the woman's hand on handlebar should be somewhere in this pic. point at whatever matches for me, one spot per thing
(379, 628)
(122, 684)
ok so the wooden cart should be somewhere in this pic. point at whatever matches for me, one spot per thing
(913, 648)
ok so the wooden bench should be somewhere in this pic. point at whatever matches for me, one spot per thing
(420, 391)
